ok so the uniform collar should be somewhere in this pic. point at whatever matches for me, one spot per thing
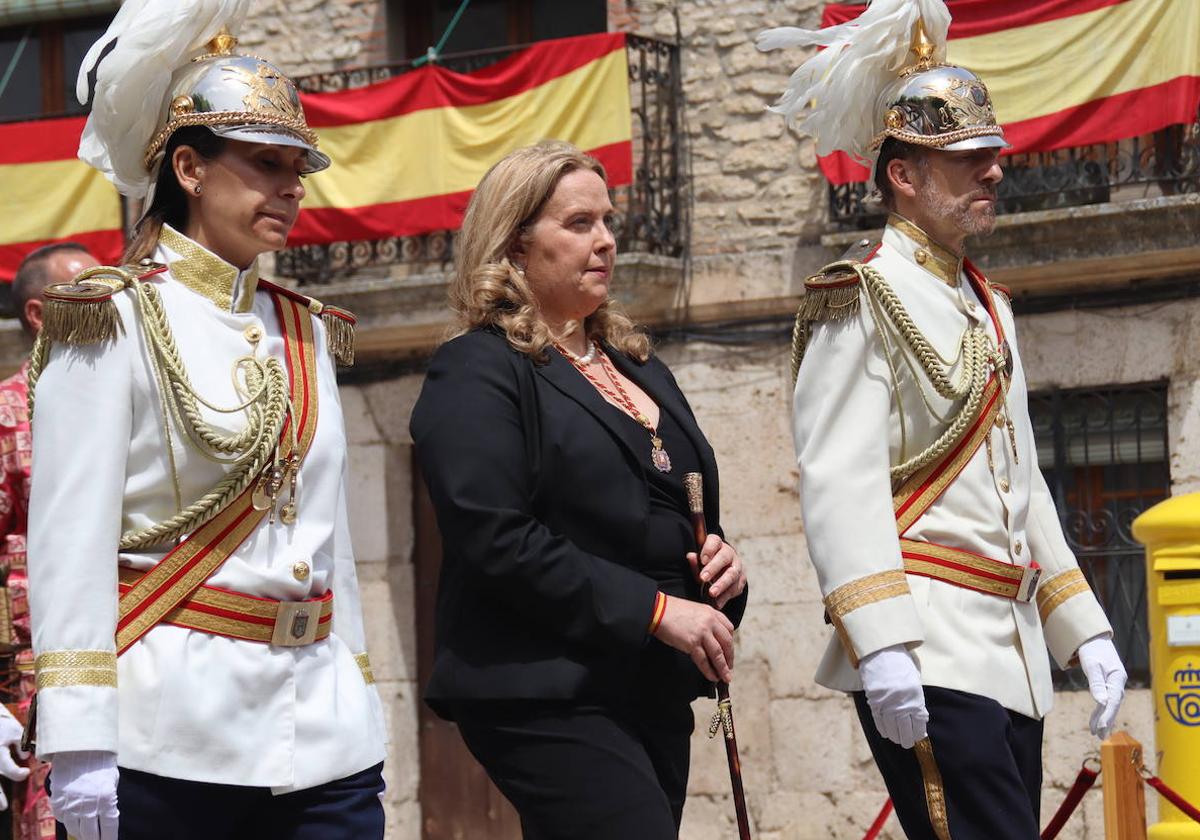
(916, 245)
(206, 274)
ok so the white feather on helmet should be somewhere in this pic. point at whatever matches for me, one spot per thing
(835, 96)
(148, 41)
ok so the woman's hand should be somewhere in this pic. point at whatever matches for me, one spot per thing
(719, 566)
(701, 632)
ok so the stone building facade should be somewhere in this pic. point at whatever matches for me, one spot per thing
(759, 225)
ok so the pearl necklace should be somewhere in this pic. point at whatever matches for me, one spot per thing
(586, 359)
(658, 456)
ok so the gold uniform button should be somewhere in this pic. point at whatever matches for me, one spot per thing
(300, 569)
(1004, 485)
(253, 333)
(921, 256)
(1017, 548)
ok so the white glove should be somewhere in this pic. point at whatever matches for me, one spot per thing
(1106, 680)
(893, 686)
(83, 793)
(10, 744)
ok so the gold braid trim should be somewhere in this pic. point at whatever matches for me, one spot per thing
(61, 668)
(937, 141)
(935, 789)
(295, 125)
(860, 593)
(1056, 590)
(364, 665)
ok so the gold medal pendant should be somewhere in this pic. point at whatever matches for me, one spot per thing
(658, 456)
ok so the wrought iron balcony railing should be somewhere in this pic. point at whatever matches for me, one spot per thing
(651, 212)
(1160, 164)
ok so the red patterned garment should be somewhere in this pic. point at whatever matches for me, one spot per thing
(30, 809)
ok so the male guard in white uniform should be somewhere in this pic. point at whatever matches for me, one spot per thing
(937, 547)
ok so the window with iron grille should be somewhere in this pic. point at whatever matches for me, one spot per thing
(1103, 452)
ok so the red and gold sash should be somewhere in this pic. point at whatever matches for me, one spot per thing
(158, 592)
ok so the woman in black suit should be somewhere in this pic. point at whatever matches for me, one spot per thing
(570, 634)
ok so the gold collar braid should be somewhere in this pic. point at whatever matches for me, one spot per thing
(207, 274)
(938, 260)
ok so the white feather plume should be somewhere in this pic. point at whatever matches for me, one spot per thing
(133, 63)
(834, 96)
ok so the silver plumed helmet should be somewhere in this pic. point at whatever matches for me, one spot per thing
(937, 105)
(239, 97)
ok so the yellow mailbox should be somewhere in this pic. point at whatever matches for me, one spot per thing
(1171, 533)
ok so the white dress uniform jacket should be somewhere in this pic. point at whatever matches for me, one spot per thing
(848, 432)
(182, 703)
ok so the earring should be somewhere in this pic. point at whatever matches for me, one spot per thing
(196, 189)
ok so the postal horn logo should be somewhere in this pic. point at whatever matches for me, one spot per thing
(1184, 703)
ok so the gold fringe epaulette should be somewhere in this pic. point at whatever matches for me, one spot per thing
(832, 294)
(339, 330)
(83, 311)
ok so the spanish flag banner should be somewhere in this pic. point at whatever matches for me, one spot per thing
(50, 195)
(407, 152)
(1068, 72)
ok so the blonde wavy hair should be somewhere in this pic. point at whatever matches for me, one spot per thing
(488, 290)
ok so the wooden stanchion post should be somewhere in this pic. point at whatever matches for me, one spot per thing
(1124, 798)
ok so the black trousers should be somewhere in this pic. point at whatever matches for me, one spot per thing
(585, 773)
(979, 777)
(157, 808)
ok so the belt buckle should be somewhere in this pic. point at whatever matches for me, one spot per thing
(1030, 575)
(296, 623)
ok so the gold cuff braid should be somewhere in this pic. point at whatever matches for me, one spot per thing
(859, 593)
(1055, 591)
(61, 668)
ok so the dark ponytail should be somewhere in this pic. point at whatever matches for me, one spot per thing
(170, 203)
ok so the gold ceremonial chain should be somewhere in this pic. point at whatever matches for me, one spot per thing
(658, 456)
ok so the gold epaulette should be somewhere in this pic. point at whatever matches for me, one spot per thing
(339, 323)
(83, 311)
(832, 294)
(1002, 290)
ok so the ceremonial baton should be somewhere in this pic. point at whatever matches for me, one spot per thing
(723, 719)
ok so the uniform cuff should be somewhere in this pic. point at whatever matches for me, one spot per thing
(1070, 614)
(874, 612)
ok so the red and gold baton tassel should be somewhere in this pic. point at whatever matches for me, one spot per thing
(723, 719)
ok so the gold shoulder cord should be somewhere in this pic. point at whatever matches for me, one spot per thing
(262, 384)
(980, 358)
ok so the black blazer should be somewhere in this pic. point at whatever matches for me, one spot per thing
(542, 508)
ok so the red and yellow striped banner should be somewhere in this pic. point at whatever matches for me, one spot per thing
(407, 152)
(50, 195)
(1069, 72)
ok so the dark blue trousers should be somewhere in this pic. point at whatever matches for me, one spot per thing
(158, 808)
(979, 777)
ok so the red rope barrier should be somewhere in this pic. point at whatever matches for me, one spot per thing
(1083, 783)
(877, 826)
(1170, 795)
